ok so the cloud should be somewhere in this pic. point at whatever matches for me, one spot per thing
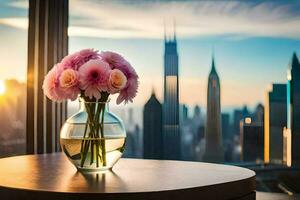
(20, 22)
(23, 4)
(145, 19)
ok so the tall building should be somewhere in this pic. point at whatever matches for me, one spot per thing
(213, 133)
(171, 101)
(153, 137)
(227, 137)
(293, 117)
(252, 141)
(274, 123)
(237, 117)
(225, 126)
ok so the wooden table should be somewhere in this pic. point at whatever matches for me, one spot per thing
(51, 176)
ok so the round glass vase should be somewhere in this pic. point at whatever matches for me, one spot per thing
(93, 139)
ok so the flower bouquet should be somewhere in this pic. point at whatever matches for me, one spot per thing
(93, 77)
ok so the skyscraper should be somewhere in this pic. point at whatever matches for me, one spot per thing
(153, 138)
(252, 141)
(293, 107)
(225, 127)
(213, 134)
(171, 101)
(274, 122)
(237, 117)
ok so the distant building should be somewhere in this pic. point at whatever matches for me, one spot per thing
(245, 112)
(200, 133)
(187, 138)
(153, 137)
(132, 143)
(252, 141)
(138, 142)
(213, 133)
(274, 122)
(227, 138)
(238, 116)
(287, 147)
(258, 115)
(197, 115)
(171, 129)
(293, 117)
(183, 113)
(225, 126)
(13, 119)
(196, 122)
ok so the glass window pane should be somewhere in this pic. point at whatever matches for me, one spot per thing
(13, 61)
(230, 59)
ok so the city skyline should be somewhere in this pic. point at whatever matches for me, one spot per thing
(242, 56)
(219, 81)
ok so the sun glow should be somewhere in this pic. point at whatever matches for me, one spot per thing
(2, 87)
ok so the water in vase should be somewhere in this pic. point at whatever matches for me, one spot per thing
(73, 148)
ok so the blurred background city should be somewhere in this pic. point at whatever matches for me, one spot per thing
(219, 80)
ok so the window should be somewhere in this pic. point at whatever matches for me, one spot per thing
(13, 61)
(231, 60)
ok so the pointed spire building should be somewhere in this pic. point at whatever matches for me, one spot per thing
(153, 137)
(213, 134)
(293, 108)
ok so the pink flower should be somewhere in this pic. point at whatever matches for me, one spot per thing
(68, 62)
(51, 85)
(116, 61)
(94, 77)
(129, 92)
(69, 82)
(113, 59)
(117, 81)
(84, 56)
(77, 59)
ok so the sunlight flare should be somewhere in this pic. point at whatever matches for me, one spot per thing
(2, 87)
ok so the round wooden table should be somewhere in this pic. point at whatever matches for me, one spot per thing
(52, 176)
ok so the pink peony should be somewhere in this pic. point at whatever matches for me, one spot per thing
(116, 61)
(94, 77)
(69, 82)
(77, 59)
(51, 85)
(117, 81)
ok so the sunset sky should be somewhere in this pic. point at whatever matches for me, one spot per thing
(253, 42)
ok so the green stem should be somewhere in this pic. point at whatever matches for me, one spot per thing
(95, 126)
(84, 135)
(87, 142)
(103, 150)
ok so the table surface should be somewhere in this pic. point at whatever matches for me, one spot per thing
(53, 173)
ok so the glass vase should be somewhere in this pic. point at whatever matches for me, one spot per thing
(94, 138)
